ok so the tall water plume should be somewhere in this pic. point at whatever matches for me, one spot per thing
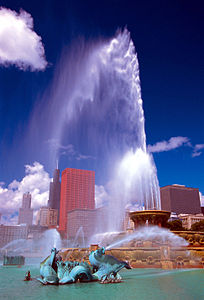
(98, 103)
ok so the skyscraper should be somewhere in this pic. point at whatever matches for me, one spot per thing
(47, 217)
(25, 212)
(77, 192)
(54, 194)
(180, 199)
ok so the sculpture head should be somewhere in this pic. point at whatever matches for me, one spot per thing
(54, 250)
(103, 250)
(100, 251)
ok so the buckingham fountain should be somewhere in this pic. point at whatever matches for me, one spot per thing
(109, 95)
(115, 104)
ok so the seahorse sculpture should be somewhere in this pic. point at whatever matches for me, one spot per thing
(107, 266)
(103, 267)
(47, 269)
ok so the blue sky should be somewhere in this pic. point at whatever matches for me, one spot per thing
(168, 37)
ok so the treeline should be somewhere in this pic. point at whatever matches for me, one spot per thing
(176, 225)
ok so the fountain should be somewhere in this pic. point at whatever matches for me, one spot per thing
(150, 217)
(103, 267)
(105, 98)
(101, 101)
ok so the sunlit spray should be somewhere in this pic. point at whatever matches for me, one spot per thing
(96, 106)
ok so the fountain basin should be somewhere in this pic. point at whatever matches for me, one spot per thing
(150, 217)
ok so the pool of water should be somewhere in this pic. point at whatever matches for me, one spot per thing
(147, 284)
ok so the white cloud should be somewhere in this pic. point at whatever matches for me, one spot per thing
(176, 142)
(67, 150)
(195, 154)
(101, 196)
(196, 150)
(81, 157)
(199, 147)
(201, 199)
(36, 181)
(19, 44)
(9, 219)
(172, 143)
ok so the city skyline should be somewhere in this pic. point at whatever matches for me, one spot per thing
(168, 42)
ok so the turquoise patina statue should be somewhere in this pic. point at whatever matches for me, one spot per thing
(103, 267)
(47, 269)
(107, 266)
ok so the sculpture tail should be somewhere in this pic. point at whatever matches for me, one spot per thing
(77, 273)
(81, 273)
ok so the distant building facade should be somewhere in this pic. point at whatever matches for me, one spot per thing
(180, 199)
(102, 220)
(47, 217)
(77, 192)
(9, 233)
(189, 220)
(35, 231)
(83, 219)
(25, 212)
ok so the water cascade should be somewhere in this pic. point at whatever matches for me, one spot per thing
(101, 102)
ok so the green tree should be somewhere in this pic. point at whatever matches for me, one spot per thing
(175, 225)
(198, 226)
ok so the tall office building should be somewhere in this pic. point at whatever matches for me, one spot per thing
(54, 194)
(25, 212)
(77, 192)
(47, 216)
(180, 199)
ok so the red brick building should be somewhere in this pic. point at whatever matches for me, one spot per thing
(77, 192)
(180, 199)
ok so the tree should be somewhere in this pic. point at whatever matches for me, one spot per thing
(175, 225)
(198, 226)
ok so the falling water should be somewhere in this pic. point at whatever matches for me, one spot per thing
(133, 182)
(79, 240)
(97, 97)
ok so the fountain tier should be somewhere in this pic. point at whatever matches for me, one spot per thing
(150, 217)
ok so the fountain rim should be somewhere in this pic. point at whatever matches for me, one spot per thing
(154, 217)
(150, 212)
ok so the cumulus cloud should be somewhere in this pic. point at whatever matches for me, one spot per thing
(172, 143)
(36, 181)
(196, 150)
(101, 196)
(19, 43)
